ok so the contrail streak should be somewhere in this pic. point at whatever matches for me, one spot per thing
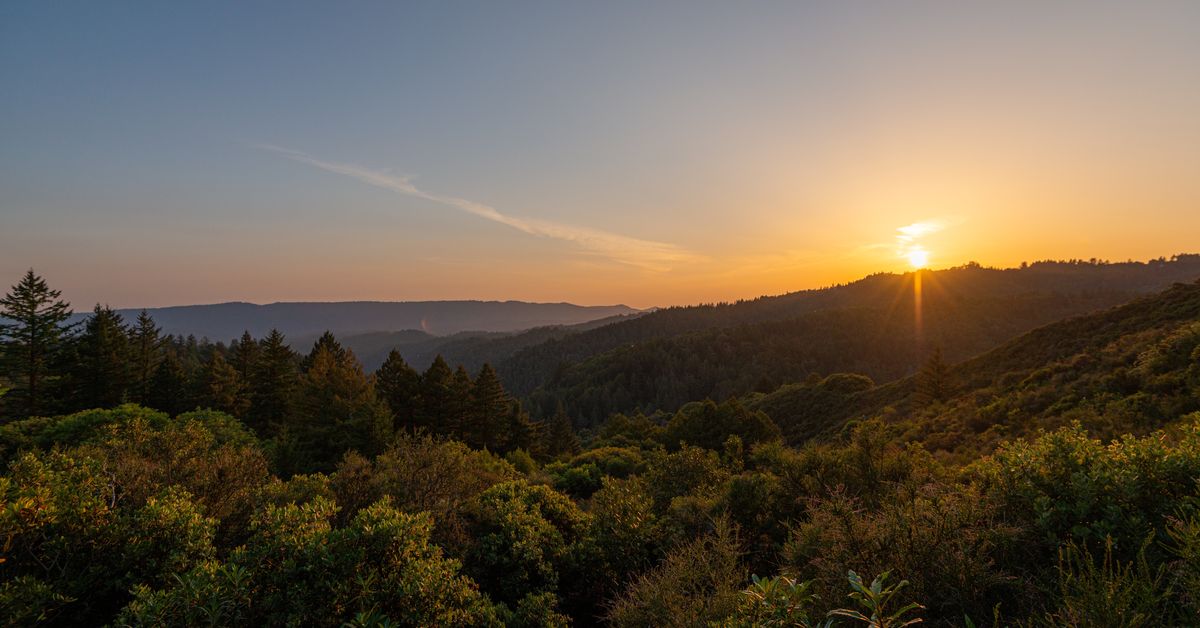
(646, 254)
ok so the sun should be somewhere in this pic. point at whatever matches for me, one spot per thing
(918, 258)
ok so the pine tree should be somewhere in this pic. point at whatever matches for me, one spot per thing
(145, 344)
(489, 411)
(338, 411)
(32, 329)
(458, 419)
(328, 343)
(190, 355)
(520, 431)
(243, 355)
(222, 388)
(101, 373)
(169, 386)
(399, 385)
(560, 438)
(436, 403)
(272, 385)
(933, 380)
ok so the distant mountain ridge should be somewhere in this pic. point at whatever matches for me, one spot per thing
(225, 321)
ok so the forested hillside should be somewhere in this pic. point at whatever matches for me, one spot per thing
(868, 327)
(473, 349)
(251, 484)
(1130, 369)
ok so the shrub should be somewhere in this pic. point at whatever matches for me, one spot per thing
(708, 425)
(1066, 486)
(522, 539)
(1109, 594)
(298, 569)
(698, 582)
(623, 530)
(81, 547)
(943, 538)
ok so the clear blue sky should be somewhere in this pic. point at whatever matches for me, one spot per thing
(648, 153)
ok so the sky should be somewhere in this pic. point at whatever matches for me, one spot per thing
(646, 153)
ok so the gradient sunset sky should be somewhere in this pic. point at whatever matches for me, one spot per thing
(607, 152)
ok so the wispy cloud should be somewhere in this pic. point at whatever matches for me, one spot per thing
(648, 254)
(908, 238)
(911, 233)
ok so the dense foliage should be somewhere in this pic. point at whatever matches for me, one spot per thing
(253, 486)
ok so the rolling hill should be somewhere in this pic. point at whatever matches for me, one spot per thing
(664, 359)
(1129, 369)
(225, 321)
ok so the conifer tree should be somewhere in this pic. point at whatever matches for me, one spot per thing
(32, 329)
(328, 342)
(222, 388)
(489, 410)
(169, 386)
(145, 344)
(520, 432)
(436, 402)
(189, 354)
(560, 438)
(338, 410)
(101, 372)
(933, 380)
(272, 385)
(399, 385)
(458, 419)
(243, 355)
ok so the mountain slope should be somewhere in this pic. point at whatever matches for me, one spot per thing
(1132, 368)
(1099, 285)
(881, 343)
(471, 349)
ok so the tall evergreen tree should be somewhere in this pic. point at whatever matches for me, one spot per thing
(399, 385)
(145, 346)
(933, 380)
(327, 342)
(243, 355)
(560, 438)
(489, 411)
(32, 328)
(190, 355)
(338, 411)
(222, 388)
(458, 420)
(437, 402)
(272, 384)
(169, 390)
(520, 432)
(101, 373)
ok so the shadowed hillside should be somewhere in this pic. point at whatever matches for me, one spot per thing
(664, 359)
(1130, 369)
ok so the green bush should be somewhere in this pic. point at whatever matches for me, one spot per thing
(523, 539)
(1066, 486)
(697, 583)
(1109, 594)
(72, 541)
(297, 569)
(708, 425)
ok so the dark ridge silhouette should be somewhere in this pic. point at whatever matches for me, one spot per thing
(223, 321)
